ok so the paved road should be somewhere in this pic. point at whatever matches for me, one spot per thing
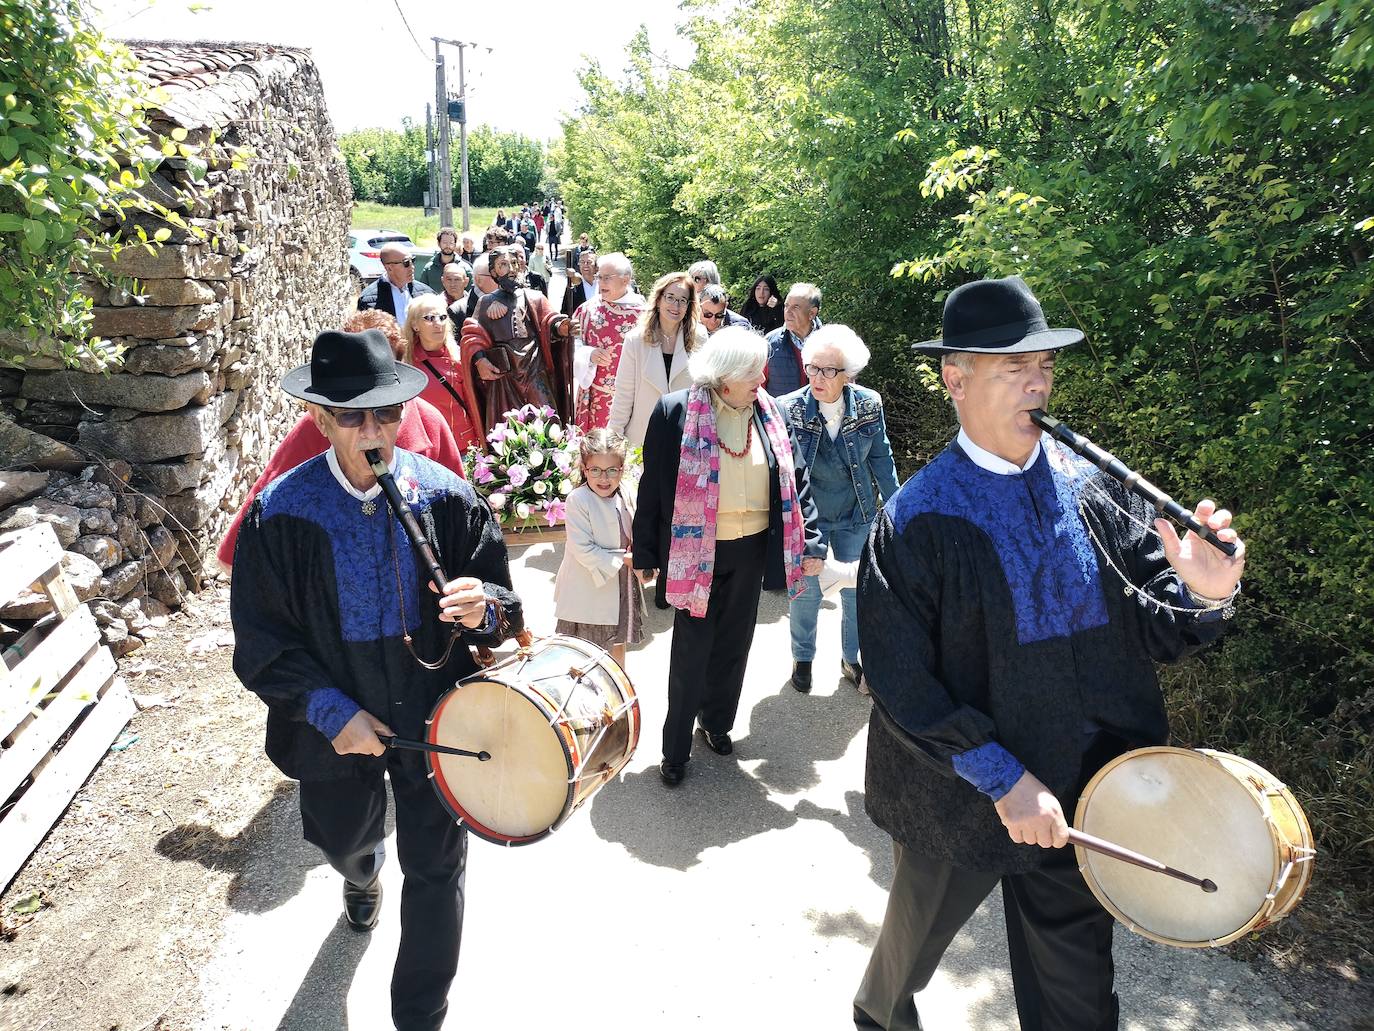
(749, 897)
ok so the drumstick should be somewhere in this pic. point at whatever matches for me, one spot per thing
(1106, 848)
(392, 741)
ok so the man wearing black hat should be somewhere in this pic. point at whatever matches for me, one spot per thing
(331, 614)
(1008, 664)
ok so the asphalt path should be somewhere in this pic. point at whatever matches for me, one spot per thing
(748, 897)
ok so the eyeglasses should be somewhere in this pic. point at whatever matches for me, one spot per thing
(352, 418)
(604, 474)
(407, 262)
(675, 301)
(433, 316)
(824, 371)
(606, 277)
(712, 315)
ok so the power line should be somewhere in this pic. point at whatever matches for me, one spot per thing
(423, 52)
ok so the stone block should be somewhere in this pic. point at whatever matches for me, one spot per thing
(142, 393)
(167, 587)
(16, 486)
(115, 474)
(97, 520)
(23, 447)
(80, 572)
(154, 323)
(188, 261)
(170, 358)
(102, 550)
(121, 579)
(171, 477)
(162, 548)
(194, 507)
(152, 438)
(126, 532)
(164, 292)
(65, 520)
(84, 494)
(150, 511)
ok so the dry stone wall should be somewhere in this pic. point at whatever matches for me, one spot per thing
(141, 469)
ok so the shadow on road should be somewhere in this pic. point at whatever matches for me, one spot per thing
(322, 998)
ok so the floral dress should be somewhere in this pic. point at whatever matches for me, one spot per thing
(603, 324)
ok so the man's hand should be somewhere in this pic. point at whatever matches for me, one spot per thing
(628, 559)
(812, 566)
(563, 327)
(464, 601)
(646, 576)
(602, 356)
(496, 310)
(486, 369)
(1032, 815)
(359, 735)
(1205, 570)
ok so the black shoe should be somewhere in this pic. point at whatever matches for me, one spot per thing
(801, 677)
(671, 773)
(363, 904)
(853, 670)
(718, 743)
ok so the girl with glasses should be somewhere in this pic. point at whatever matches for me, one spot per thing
(597, 597)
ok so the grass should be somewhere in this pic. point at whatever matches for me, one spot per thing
(414, 224)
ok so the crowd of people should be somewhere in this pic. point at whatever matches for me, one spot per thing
(1004, 667)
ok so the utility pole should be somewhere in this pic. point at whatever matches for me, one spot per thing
(433, 205)
(445, 197)
(463, 135)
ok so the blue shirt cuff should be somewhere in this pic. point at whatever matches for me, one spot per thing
(1202, 615)
(990, 768)
(327, 709)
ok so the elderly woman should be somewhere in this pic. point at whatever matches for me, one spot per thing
(842, 443)
(601, 323)
(430, 347)
(653, 360)
(722, 512)
(703, 273)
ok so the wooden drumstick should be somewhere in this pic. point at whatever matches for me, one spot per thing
(391, 741)
(1106, 848)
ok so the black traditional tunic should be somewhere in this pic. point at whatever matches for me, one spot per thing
(995, 638)
(318, 594)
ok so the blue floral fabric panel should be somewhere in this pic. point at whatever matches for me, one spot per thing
(1033, 523)
(990, 768)
(328, 709)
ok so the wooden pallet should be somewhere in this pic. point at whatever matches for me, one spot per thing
(535, 533)
(57, 677)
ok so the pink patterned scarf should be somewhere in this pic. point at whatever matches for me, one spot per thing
(692, 547)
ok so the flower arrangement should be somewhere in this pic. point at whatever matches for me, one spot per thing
(526, 473)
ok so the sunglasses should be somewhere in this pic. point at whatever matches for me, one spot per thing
(352, 418)
(824, 371)
(407, 262)
(434, 317)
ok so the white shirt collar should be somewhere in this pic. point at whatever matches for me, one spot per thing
(371, 492)
(994, 463)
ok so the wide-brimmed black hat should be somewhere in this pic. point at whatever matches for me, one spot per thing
(354, 370)
(996, 316)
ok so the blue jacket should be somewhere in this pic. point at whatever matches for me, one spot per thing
(784, 366)
(862, 442)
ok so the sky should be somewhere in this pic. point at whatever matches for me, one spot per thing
(374, 73)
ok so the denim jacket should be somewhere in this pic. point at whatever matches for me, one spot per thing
(862, 443)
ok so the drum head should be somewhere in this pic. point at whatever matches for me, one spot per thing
(522, 790)
(1187, 811)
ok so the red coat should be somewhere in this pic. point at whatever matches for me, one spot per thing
(459, 412)
(423, 431)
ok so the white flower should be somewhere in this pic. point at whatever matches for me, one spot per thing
(536, 459)
(537, 426)
(565, 486)
(555, 432)
(522, 510)
(497, 501)
(540, 487)
(498, 447)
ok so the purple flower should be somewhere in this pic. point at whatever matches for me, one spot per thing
(498, 434)
(518, 475)
(548, 412)
(483, 474)
(556, 512)
(562, 460)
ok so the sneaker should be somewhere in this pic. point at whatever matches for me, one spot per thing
(801, 677)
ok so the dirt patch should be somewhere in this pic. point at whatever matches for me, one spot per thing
(133, 882)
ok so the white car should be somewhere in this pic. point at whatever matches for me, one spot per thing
(364, 253)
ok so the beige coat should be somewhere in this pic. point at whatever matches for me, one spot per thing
(640, 382)
(588, 586)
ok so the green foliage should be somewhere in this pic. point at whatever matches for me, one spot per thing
(389, 167)
(74, 151)
(1191, 183)
(421, 228)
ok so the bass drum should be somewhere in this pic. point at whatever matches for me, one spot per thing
(560, 719)
(1210, 813)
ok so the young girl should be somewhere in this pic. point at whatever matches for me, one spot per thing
(597, 596)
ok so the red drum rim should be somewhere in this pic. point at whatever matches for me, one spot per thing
(456, 809)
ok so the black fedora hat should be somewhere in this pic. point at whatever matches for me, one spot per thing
(996, 316)
(354, 370)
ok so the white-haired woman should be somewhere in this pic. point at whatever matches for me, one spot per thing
(842, 443)
(703, 273)
(431, 348)
(722, 513)
(601, 324)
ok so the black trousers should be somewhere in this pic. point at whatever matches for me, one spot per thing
(347, 820)
(710, 654)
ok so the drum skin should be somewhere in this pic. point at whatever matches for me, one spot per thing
(1210, 814)
(560, 719)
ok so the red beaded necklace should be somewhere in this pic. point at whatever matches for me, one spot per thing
(748, 440)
